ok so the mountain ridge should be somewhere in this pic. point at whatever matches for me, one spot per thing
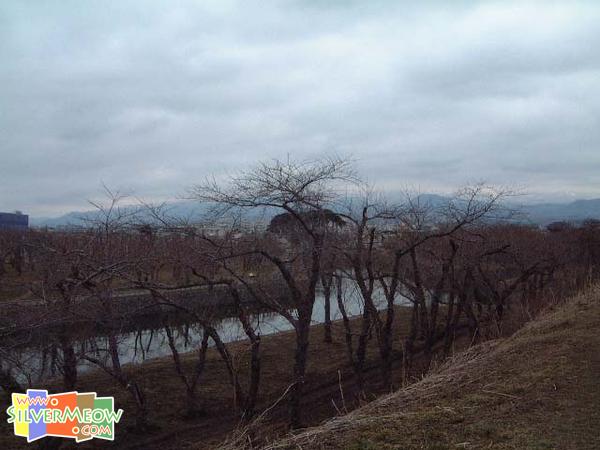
(536, 213)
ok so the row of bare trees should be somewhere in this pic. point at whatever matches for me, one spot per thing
(461, 268)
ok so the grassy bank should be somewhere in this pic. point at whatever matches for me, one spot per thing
(329, 375)
(538, 389)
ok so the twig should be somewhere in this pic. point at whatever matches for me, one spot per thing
(500, 393)
(342, 392)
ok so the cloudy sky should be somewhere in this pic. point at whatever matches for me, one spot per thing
(150, 96)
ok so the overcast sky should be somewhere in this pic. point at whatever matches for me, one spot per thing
(151, 96)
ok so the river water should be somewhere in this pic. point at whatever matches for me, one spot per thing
(37, 359)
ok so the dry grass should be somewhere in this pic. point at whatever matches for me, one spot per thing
(538, 389)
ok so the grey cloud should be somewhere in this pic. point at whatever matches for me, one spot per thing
(152, 96)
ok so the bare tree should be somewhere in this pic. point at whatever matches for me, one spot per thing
(304, 190)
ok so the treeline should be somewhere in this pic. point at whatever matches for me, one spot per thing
(464, 268)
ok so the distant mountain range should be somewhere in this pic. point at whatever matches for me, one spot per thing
(539, 213)
(181, 209)
(577, 211)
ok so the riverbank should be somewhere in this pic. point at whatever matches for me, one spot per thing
(22, 315)
(328, 376)
(537, 389)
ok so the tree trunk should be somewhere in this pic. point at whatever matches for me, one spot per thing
(190, 383)
(300, 359)
(69, 363)
(141, 418)
(239, 397)
(423, 318)
(385, 343)
(250, 406)
(327, 301)
(255, 363)
(409, 343)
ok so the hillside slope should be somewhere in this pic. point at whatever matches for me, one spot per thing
(538, 389)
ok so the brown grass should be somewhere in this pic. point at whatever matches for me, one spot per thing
(538, 389)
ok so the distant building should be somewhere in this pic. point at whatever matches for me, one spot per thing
(14, 221)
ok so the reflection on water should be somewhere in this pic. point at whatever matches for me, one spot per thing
(32, 362)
